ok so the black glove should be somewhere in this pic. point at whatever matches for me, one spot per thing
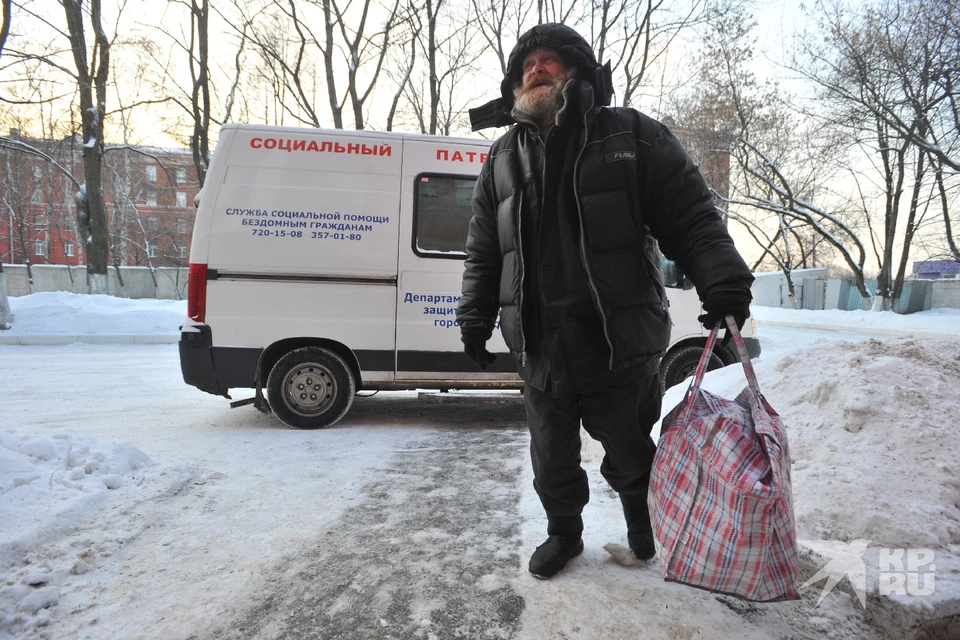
(475, 347)
(726, 302)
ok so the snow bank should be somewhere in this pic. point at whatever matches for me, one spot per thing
(50, 486)
(935, 321)
(874, 438)
(62, 313)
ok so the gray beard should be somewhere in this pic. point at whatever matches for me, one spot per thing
(542, 103)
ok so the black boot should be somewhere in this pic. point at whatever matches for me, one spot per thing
(564, 543)
(553, 555)
(642, 545)
(639, 529)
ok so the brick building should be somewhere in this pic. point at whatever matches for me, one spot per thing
(148, 192)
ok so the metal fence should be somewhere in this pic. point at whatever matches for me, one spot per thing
(911, 300)
(815, 291)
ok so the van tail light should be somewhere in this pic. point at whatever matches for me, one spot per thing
(197, 292)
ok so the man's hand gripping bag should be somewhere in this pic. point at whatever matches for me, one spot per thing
(720, 495)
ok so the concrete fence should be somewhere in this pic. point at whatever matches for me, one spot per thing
(813, 288)
(815, 291)
(945, 295)
(171, 282)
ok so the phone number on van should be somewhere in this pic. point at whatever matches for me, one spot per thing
(317, 235)
(277, 233)
(326, 235)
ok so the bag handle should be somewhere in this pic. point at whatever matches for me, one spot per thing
(708, 351)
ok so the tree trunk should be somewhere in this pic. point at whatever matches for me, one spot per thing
(92, 89)
(335, 109)
(792, 290)
(200, 97)
(5, 316)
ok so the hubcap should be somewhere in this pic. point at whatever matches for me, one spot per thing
(309, 389)
(688, 371)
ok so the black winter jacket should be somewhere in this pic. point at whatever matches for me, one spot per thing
(632, 179)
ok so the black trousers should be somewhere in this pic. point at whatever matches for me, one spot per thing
(619, 410)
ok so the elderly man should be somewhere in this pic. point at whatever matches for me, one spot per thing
(566, 210)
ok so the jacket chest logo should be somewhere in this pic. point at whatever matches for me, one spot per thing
(621, 155)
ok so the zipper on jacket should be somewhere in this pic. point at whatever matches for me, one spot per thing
(523, 273)
(523, 337)
(539, 232)
(583, 245)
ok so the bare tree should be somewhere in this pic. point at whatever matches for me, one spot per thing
(92, 72)
(945, 210)
(283, 41)
(364, 51)
(445, 44)
(197, 50)
(7, 9)
(555, 10)
(5, 316)
(191, 92)
(643, 40)
(917, 47)
(404, 59)
(88, 81)
(17, 188)
(501, 22)
(283, 35)
(873, 70)
(33, 184)
(774, 188)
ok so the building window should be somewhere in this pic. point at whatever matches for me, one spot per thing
(150, 223)
(68, 249)
(181, 225)
(442, 215)
(151, 173)
(40, 219)
(151, 198)
(183, 251)
(40, 248)
(37, 197)
(181, 175)
(153, 251)
(181, 199)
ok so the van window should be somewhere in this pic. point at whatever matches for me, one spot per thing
(673, 276)
(441, 217)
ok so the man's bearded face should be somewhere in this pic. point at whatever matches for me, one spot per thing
(539, 94)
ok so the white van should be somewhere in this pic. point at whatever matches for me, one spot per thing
(325, 262)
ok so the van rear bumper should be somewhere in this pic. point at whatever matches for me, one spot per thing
(212, 369)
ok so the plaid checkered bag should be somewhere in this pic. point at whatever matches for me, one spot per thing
(720, 496)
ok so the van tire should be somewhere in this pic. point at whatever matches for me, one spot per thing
(310, 388)
(681, 364)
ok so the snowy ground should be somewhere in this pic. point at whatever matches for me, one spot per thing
(133, 506)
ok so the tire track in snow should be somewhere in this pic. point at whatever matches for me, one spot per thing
(429, 552)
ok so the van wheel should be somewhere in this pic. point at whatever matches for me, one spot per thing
(682, 364)
(310, 388)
